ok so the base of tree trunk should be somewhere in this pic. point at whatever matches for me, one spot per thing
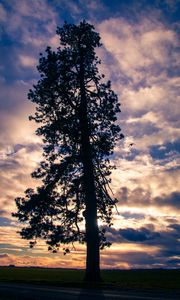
(93, 278)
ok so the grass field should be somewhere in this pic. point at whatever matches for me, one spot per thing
(141, 279)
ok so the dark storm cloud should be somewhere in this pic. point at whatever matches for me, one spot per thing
(175, 261)
(141, 235)
(166, 241)
(136, 197)
(4, 256)
(168, 244)
(171, 200)
(5, 222)
(131, 235)
(133, 259)
(141, 259)
(176, 227)
(145, 235)
(141, 197)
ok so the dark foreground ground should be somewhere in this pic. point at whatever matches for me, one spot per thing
(53, 284)
(17, 291)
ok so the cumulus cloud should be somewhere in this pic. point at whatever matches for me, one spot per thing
(27, 61)
(146, 54)
(144, 44)
(29, 21)
(143, 198)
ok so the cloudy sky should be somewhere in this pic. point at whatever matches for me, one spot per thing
(140, 57)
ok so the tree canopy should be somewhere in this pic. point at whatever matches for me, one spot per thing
(77, 115)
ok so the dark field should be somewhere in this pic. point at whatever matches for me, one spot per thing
(119, 279)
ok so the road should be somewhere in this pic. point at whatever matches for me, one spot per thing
(19, 291)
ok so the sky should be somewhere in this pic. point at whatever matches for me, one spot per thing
(140, 57)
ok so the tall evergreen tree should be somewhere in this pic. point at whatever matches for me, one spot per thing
(77, 113)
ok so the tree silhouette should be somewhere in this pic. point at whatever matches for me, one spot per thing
(77, 113)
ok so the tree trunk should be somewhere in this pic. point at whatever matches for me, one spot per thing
(92, 231)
